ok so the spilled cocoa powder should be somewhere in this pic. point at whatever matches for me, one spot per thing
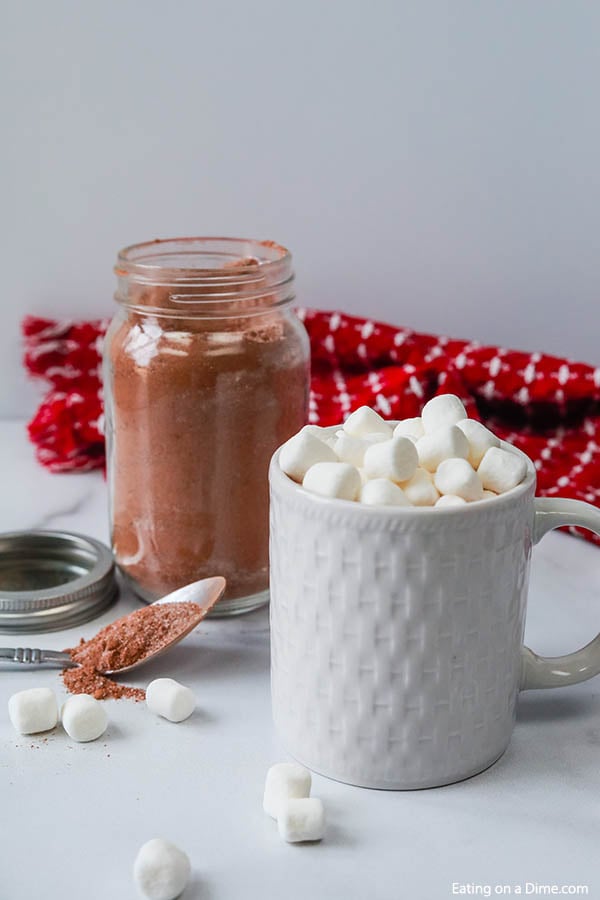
(123, 643)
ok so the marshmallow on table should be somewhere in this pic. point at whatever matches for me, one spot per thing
(383, 492)
(285, 781)
(420, 489)
(302, 451)
(411, 428)
(458, 477)
(480, 439)
(450, 500)
(301, 820)
(167, 698)
(500, 470)
(442, 443)
(84, 718)
(366, 421)
(33, 710)
(350, 449)
(442, 412)
(333, 479)
(395, 459)
(161, 870)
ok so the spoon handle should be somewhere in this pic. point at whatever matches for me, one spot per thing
(26, 656)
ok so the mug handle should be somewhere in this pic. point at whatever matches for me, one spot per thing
(555, 671)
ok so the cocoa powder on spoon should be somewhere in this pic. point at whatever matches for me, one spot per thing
(123, 643)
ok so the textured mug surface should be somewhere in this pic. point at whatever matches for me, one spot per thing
(397, 633)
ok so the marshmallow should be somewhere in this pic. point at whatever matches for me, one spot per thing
(375, 437)
(33, 710)
(443, 443)
(382, 492)
(317, 430)
(489, 495)
(333, 479)
(450, 500)
(420, 489)
(285, 781)
(410, 428)
(161, 870)
(457, 476)
(364, 421)
(500, 470)
(395, 459)
(350, 449)
(302, 820)
(442, 412)
(84, 718)
(301, 452)
(480, 439)
(167, 698)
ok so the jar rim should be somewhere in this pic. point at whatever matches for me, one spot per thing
(205, 261)
(208, 277)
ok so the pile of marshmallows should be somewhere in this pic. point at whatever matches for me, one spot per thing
(84, 718)
(441, 459)
(287, 799)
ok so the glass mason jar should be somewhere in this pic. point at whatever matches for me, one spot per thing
(206, 373)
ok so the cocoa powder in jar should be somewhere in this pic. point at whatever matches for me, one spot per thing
(197, 407)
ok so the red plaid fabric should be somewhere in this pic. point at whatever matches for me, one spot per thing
(547, 406)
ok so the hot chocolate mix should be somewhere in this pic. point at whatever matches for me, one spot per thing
(127, 641)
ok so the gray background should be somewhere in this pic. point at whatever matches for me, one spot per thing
(435, 164)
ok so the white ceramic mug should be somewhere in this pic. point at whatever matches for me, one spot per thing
(397, 633)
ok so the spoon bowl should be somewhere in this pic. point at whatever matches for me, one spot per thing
(203, 593)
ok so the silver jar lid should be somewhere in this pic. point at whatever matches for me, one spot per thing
(51, 580)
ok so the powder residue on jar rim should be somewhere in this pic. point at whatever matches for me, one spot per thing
(125, 642)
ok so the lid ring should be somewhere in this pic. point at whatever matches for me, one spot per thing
(53, 579)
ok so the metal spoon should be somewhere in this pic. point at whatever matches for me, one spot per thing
(204, 593)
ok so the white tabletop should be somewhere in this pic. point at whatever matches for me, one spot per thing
(73, 815)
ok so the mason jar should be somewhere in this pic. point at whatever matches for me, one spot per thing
(206, 373)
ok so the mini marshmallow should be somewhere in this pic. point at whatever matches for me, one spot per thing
(375, 437)
(161, 870)
(364, 421)
(302, 820)
(350, 449)
(420, 489)
(442, 412)
(443, 443)
(480, 439)
(489, 495)
(317, 430)
(33, 710)
(383, 492)
(167, 698)
(500, 470)
(410, 428)
(285, 781)
(450, 500)
(395, 459)
(301, 452)
(333, 479)
(458, 477)
(84, 718)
